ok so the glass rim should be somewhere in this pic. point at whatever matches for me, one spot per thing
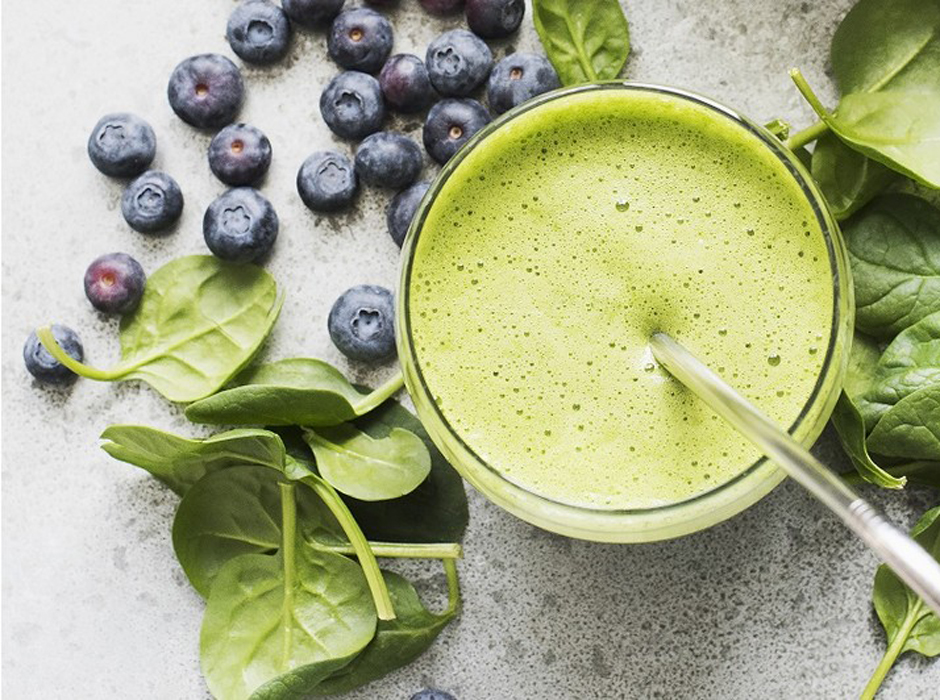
(796, 169)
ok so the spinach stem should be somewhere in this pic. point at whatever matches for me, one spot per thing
(370, 567)
(49, 343)
(378, 396)
(453, 585)
(892, 652)
(807, 135)
(394, 550)
(288, 544)
(899, 471)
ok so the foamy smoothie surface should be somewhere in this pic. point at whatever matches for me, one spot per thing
(570, 235)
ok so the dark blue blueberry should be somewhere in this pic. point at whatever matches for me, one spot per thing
(327, 181)
(360, 39)
(258, 31)
(432, 694)
(494, 19)
(312, 13)
(362, 323)
(44, 366)
(450, 124)
(206, 91)
(405, 83)
(239, 154)
(388, 159)
(352, 105)
(441, 7)
(401, 211)
(240, 225)
(122, 145)
(152, 202)
(519, 77)
(458, 62)
(114, 283)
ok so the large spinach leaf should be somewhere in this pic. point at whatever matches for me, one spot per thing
(199, 322)
(909, 624)
(298, 391)
(370, 469)
(911, 428)
(436, 511)
(847, 178)
(910, 363)
(894, 249)
(180, 462)
(586, 40)
(276, 625)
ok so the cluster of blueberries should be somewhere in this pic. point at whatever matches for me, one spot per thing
(207, 91)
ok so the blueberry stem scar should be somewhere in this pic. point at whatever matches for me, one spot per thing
(49, 343)
(377, 396)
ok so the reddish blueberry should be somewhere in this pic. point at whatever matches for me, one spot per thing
(405, 83)
(114, 283)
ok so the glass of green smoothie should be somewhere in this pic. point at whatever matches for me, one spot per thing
(551, 248)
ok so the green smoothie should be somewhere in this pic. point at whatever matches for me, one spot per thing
(570, 235)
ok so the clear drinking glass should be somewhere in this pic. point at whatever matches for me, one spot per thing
(648, 524)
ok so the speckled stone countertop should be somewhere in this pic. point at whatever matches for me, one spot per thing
(772, 604)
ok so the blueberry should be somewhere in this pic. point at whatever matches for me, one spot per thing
(352, 105)
(327, 181)
(519, 77)
(441, 7)
(240, 225)
(388, 159)
(401, 210)
(152, 202)
(258, 31)
(362, 323)
(494, 19)
(450, 124)
(206, 91)
(42, 365)
(122, 145)
(239, 154)
(432, 694)
(360, 39)
(114, 283)
(312, 13)
(458, 62)
(405, 83)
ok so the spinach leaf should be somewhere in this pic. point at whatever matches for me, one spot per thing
(911, 428)
(276, 625)
(847, 178)
(586, 40)
(237, 511)
(436, 511)
(297, 391)
(851, 430)
(199, 322)
(367, 468)
(180, 462)
(894, 249)
(911, 362)
(397, 642)
(909, 624)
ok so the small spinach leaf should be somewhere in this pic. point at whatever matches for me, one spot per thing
(297, 391)
(911, 428)
(180, 462)
(894, 249)
(909, 624)
(847, 178)
(199, 322)
(276, 625)
(586, 40)
(397, 642)
(367, 468)
(851, 430)
(436, 511)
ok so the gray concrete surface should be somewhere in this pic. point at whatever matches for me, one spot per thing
(773, 604)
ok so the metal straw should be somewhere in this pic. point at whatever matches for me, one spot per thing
(909, 560)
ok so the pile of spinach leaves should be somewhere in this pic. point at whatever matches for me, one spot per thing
(280, 521)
